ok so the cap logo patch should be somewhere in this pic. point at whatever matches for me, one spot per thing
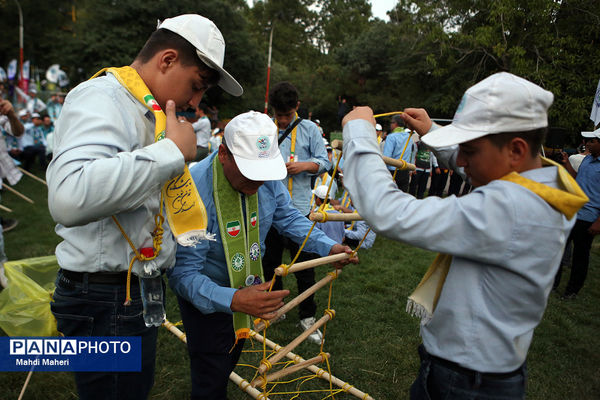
(263, 143)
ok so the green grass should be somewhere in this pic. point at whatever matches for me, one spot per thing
(372, 340)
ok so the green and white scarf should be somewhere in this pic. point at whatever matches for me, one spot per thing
(241, 240)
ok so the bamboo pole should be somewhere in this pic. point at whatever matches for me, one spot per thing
(25, 384)
(292, 345)
(29, 174)
(312, 263)
(260, 381)
(321, 373)
(5, 209)
(238, 380)
(260, 324)
(319, 217)
(175, 330)
(246, 387)
(339, 144)
(18, 194)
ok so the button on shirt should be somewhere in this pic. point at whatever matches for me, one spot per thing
(506, 244)
(588, 178)
(106, 163)
(200, 275)
(309, 147)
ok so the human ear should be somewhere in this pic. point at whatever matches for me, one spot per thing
(166, 59)
(518, 151)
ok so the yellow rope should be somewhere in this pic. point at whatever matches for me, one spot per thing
(388, 113)
(401, 155)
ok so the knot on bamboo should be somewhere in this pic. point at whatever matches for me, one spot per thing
(366, 396)
(285, 269)
(333, 274)
(404, 164)
(241, 384)
(323, 214)
(330, 312)
(347, 387)
(267, 364)
(324, 355)
(320, 373)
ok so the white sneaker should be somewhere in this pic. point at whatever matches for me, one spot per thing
(315, 337)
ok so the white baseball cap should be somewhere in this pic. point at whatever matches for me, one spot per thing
(35, 115)
(378, 127)
(209, 43)
(320, 191)
(502, 102)
(252, 139)
(23, 113)
(595, 134)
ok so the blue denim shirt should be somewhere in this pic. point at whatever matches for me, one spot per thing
(309, 147)
(200, 274)
(394, 145)
(588, 178)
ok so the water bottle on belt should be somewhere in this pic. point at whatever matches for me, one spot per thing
(152, 290)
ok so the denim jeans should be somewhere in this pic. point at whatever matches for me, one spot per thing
(438, 382)
(91, 309)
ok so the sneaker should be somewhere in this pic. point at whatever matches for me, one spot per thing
(316, 337)
(9, 224)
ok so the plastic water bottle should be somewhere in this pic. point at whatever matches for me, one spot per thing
(152, 290)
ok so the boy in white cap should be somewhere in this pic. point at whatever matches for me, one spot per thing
(500, 245)
(220, 283)
(114, 150)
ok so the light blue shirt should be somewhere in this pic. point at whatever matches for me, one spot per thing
(395, 143)
(200, 275)
(588, 178)
(506, 244)
(358, 231)
(309, 147)
(106, 163)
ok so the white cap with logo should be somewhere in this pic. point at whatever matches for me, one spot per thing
(252, 139)
(209, 44)
(502, 102)
(320, 191)
(595, 134)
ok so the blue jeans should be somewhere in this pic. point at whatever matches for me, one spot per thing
(438, 382)
(92, 309)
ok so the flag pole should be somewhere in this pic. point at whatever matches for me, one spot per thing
(269, 68)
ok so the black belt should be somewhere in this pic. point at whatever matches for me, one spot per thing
(469, 372)
(106, 278)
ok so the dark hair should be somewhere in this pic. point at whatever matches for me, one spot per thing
(203, 107)
(534, 138)
(283, 96)
(162, 39)
(398, 120)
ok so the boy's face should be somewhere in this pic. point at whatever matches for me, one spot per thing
(36, 121)
(592, 145)
(483, 161)
(185, 85)
(285, 117)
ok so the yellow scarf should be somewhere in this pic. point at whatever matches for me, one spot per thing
(185, 210)
(567, 200)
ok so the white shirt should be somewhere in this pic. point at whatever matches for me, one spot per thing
(203, 133)
(506, 244)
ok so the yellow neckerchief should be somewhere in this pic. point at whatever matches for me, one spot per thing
(292, 151)
(378, 139)
(567, 200)
(185, 211)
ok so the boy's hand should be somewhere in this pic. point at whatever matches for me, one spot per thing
(180, 132)
(359, 113)
(340, 248)
(417, 120)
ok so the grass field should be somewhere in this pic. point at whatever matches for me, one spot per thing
(372, 340)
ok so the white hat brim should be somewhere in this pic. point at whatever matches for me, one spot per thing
(226, 81)
(450, 135)
(262, 170)
(595, 134)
